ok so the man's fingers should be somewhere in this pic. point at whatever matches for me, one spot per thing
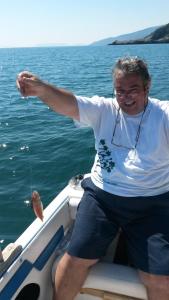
(20, 86)
(25, 74)
(23, 82)
(28, 84)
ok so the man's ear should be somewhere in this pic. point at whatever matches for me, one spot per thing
(147, 87)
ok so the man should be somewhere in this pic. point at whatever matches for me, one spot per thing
(129, 185)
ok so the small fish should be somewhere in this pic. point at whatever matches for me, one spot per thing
(37, 205)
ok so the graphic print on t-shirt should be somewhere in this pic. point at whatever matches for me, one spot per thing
(105, 159)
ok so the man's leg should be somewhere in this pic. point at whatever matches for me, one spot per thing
(93, 231)
(70, 275)
(157, 286)
(148, 243)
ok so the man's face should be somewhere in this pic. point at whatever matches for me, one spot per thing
(131, 94)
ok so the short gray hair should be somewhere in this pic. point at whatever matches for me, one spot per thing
(133, 65)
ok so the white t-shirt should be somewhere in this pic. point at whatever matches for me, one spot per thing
(119, 168)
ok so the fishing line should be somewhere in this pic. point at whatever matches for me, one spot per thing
(27, 147)
(30, 161)
(35, 200)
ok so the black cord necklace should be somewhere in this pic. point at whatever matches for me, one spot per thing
(138, 130)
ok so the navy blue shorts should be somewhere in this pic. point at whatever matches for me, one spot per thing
(143, 220)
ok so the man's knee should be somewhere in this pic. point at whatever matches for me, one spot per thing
(156, 282)
(69, 261)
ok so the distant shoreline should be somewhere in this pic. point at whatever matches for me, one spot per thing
(137, 43)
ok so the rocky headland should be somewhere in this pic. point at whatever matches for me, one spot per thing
(160, 35)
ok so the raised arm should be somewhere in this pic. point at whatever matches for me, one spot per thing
(60, 100)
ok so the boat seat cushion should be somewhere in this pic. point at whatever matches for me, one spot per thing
(117, 279)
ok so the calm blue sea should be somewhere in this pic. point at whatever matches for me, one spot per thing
(40, 149)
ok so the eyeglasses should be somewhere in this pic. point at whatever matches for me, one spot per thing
(132, 93)
(137, 134)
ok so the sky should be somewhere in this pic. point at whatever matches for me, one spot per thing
(75, 22)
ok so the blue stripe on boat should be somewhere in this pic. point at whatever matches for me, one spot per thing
(26, 267)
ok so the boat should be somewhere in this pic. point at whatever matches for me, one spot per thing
(28, 265)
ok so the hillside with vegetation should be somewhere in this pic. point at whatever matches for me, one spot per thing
(160, 35)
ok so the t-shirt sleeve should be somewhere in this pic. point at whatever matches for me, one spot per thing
(90, 110)
(165, 108)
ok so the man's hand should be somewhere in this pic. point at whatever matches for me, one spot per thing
(29, 84)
